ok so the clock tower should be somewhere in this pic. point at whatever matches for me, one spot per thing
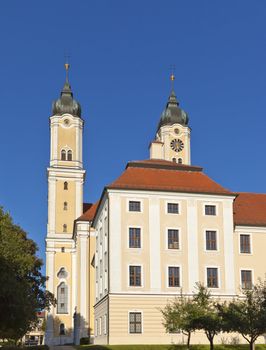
(172, 140)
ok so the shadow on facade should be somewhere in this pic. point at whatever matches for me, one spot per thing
(57, 333)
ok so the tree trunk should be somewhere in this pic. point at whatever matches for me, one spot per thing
(252, 345)
(188, 339)
(211, 342)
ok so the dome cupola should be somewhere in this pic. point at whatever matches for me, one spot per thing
(66, 103)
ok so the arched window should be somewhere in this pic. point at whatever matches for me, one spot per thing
(65, 228)
(179, 160)
(62, 329)
(65, 205)
(62, 298)
(174, 160)
(62, 273)
(69, 155)
(65, 185)
(63, 154)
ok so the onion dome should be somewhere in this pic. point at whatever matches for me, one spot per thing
(66, 103)
(173, 114)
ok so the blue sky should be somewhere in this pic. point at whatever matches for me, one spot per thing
(120, 56)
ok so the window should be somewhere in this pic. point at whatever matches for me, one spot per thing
(245, 244)
(211, 240)
(62, 273)
(62, 329)
(174, 160)
(69, 155)
(63, 154)
(65, 205)
(134, 206)
(210, 210)
(135, 276)
(173, 276)
(180, 161)
(62, 249)
(65, 228)
(173, 239)
(96, 328)
(65, 185)
(246, 279)
(172, 208)
(100, 326)
(135, 322)
(212, 277)
(134, 237)
(62, 298)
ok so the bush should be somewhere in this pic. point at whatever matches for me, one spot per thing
(35, 347)
(84, 341)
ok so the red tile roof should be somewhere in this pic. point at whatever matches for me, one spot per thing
(250, 209)
(88, 215)
(161, 175)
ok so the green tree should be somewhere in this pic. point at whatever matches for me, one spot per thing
(246, 316)
(22, 285)
(180, 314)
(208, 319)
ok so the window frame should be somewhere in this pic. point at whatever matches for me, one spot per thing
(134, 200)
(135, 311)
(218, 277)
(140, 240)
(167, 276)
(63, 154)
(210, 206)
(179, 239)
(215, 204)
(205, 240)
(62, 284)
(240, 277)
(65, 186)
(141, 276)
(173, 202)
(250, 243)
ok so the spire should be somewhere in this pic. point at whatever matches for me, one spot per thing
(66, 103)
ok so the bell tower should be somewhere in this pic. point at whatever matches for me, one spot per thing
(65, 201)
(172, 140)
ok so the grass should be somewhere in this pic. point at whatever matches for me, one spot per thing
(168, 347)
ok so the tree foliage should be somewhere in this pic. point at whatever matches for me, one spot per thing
(246, 316)
(22, 284)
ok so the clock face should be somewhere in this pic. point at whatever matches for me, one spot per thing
(177, 145)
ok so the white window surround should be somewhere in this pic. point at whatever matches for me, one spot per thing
(217, 250)
(134, 199)
(245, 269)
(105, 324)
(210, 203)
(172, 202)
(141, 237)
(96, 327)
(100, 326)
(179, 238)
(167, 275)
(128, 320)
(218, 275)
(68, 297)
(65, 278)
(141, 276)
(251, 243)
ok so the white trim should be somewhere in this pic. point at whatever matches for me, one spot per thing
(134, 311)
(141, 276)
(154, 244)
(218, 277)
(192, 244)
(250, 243)
(167, 277)
(179, 239)
(248, 229)
(83, 277)
(74, 281)
(62, 280)
(217, 250)
(141, 238)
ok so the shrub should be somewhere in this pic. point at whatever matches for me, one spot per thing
(84, 341)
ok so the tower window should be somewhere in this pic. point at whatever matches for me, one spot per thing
(69, 155)
(65, 228)
(179, 160)
(65, 205)
(62, 298)
(63, 154)
(174, 160)
(65, 185)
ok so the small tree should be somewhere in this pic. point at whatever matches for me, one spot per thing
(246, 316)
(180, 314)
(208, 318)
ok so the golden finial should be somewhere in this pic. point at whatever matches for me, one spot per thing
(172, 77)
(67, 66)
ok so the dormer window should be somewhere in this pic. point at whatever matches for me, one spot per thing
(69, 155)
(63, 154)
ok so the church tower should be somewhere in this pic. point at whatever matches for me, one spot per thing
(172, 141)
(65, 203)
